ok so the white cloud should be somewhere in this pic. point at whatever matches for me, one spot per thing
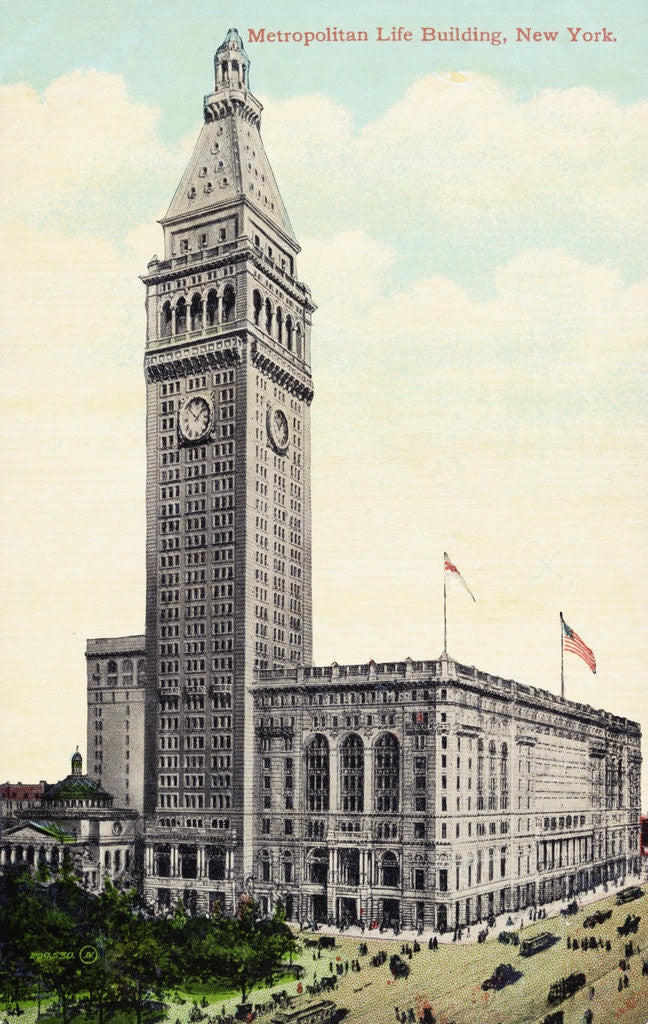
(470, 166)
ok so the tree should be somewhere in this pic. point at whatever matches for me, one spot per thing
(21, 930)
(100, 982)
(141, 964)
(245, 951)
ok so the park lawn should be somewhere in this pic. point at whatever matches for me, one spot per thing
(225, 993)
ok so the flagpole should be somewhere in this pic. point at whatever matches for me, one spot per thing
(445, 619)
(562, 660)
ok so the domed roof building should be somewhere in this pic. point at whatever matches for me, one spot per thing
(75, 821)
(76, 789)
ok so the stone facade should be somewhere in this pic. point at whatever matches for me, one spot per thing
(429, 793)
(116, 671)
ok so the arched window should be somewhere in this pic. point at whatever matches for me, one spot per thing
(268, 316)
(127, 671)
(107, 860)
(298, 340)
(196, 313)
(504, 778)
(480, 775)
(216, 863)
(317, 861)
(386, 773)
(317, 774)
(265, 864)
(352, 774)
(117, 860)
(212, 309)
(279, 317)
(289, 333)
(181, 316)
(389, 870)
(112, 673)
(229, 301)
(287, 867)
(257, 304)
(349, 862)
(166, 320)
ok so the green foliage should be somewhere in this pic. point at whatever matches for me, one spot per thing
(138, 956)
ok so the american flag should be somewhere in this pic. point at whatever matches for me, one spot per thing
(451, 567)
(572, 642)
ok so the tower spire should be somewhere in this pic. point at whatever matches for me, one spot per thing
(231, 64)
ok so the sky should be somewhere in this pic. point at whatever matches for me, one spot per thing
(472, 221)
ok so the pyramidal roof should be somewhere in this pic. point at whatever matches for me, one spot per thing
(229, 161)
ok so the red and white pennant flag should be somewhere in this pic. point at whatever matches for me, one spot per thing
(452, 568)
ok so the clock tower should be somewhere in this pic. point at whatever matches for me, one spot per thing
(228, 556)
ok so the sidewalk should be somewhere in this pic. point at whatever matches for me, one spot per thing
(518, 917)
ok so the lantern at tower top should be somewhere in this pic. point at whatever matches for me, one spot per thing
(231, 64)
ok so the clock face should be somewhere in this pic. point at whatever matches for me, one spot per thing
(278, 432)
(195, 418)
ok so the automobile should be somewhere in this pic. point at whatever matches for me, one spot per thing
(503, 975)
(598, 917)
(565, 988)
(398, 967)
(634, 892)
(630, 925)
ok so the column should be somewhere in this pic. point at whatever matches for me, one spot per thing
(333, 867)
(369, 779)
(334, 778)
(174, 861)
(200, 862)
(363, 866)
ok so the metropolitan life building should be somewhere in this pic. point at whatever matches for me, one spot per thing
(413, 793)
